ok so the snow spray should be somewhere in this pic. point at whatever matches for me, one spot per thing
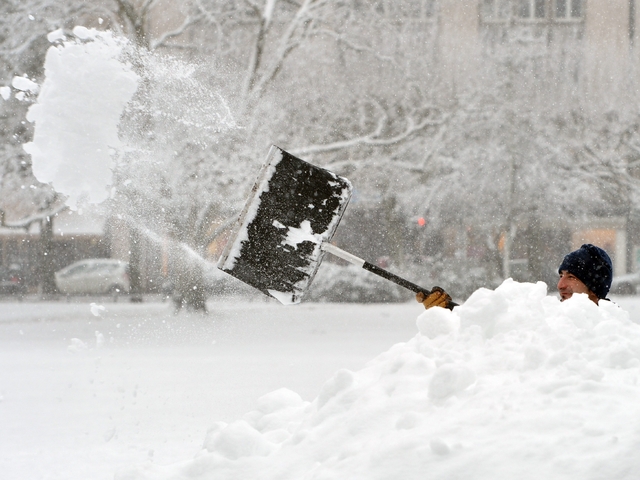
(77, 114)
(105, 104)
(94, 80)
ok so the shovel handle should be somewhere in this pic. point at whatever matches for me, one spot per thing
(338, 252)
(381, 272)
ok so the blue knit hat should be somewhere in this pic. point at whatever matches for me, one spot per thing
(592, 266)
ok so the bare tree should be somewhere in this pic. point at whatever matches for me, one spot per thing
(351, 86)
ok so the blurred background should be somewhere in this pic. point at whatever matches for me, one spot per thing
(485, 140)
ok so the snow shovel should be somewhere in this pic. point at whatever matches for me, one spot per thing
(285, 227)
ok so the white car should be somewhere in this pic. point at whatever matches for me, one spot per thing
(94, 276)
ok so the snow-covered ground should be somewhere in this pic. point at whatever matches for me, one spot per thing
(88, 391)
(83, 395)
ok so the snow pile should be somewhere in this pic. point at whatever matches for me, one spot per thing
(512, 384)
(77, 114)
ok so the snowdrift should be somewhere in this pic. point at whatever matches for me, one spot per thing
(512, 384)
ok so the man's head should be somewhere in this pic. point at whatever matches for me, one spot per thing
(586, 270)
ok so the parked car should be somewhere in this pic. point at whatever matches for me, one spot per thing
(12, 281)
(94, 276)
(628, 284)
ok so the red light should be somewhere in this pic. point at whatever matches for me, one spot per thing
(422, 221)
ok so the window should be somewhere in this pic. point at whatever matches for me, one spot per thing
(493, 10)
(411, 9)
(569, 9)
(531, 9)
(501, 10)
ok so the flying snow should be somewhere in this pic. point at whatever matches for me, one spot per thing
(77, 113)
(90, 86)
(512, 384)
(25, 85)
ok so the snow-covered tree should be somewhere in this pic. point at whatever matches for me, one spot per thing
(305, 76)
(358, 87)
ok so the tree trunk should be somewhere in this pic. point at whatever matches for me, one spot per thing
(509, 236)
(47, 268)
(135, 281)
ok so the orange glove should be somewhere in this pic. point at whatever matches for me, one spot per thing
(437, 297)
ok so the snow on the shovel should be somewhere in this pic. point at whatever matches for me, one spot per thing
(295, 236)
(77, 113)
(512, 384)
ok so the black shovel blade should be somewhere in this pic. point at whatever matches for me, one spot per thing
(294, 207)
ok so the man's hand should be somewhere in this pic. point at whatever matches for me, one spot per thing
(437, 297)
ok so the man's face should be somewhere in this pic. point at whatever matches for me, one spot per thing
(568, 284)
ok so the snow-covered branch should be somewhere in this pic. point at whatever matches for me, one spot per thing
(301, 22)
(343, 40)
(25, 223)
(147, 6)
(372, 139)
(168, 35)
